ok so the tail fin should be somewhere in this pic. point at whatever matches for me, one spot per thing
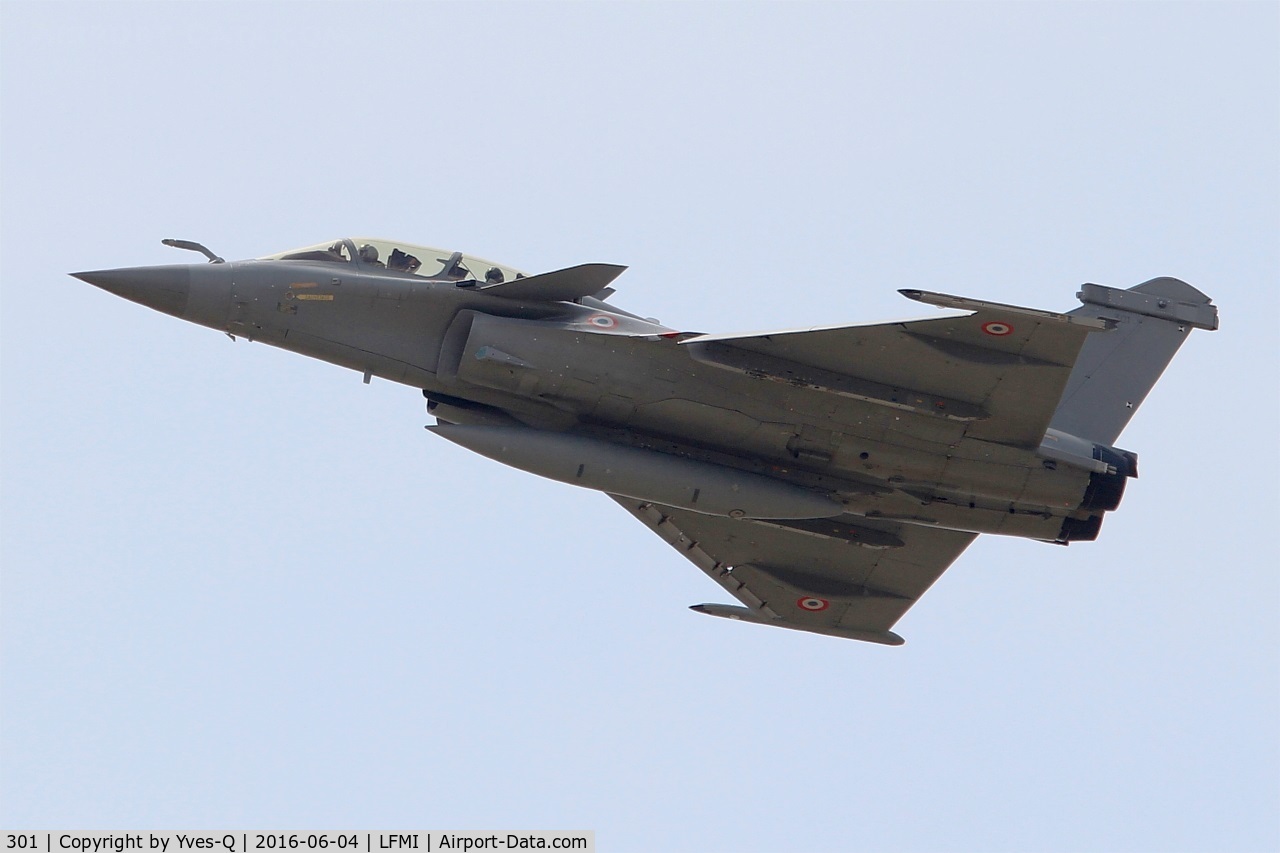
(1116, 369)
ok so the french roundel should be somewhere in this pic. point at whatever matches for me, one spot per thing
(813, 604)
(602, 321)
(997, 328)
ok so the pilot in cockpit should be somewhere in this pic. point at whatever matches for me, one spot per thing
(369, 255)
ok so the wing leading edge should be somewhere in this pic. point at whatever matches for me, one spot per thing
(853, 579)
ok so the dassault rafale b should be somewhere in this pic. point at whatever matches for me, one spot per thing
(825, 477)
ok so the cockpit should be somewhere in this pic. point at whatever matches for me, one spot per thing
(402, 258)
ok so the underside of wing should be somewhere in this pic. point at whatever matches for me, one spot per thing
(851, 578)
(999, 368)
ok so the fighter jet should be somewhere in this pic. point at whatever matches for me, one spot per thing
(824, 477)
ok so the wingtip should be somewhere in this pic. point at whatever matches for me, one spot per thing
(725, 611)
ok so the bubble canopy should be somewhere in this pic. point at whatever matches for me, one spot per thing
(373, 253)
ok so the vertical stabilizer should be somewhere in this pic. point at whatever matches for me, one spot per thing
(1117, 368)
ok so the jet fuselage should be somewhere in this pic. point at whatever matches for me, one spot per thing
(592, 371)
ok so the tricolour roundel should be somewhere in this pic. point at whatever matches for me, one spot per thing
(602, 321)
(815, 604)
(998, 329)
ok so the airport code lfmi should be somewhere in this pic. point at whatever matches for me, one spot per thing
(251, 842)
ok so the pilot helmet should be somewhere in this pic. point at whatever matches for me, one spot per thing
(368, 253)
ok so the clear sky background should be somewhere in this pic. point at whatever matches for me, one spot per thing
(243, 590)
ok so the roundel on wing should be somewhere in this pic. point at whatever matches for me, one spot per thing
(602, 321)
(997, 328)
(813, 604)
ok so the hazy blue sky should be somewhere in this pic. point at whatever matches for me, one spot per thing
(241, 589)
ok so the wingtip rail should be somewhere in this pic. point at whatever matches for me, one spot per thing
(746, 614)
(964, 303)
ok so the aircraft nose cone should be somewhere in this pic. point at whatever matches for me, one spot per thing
(165, 289)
